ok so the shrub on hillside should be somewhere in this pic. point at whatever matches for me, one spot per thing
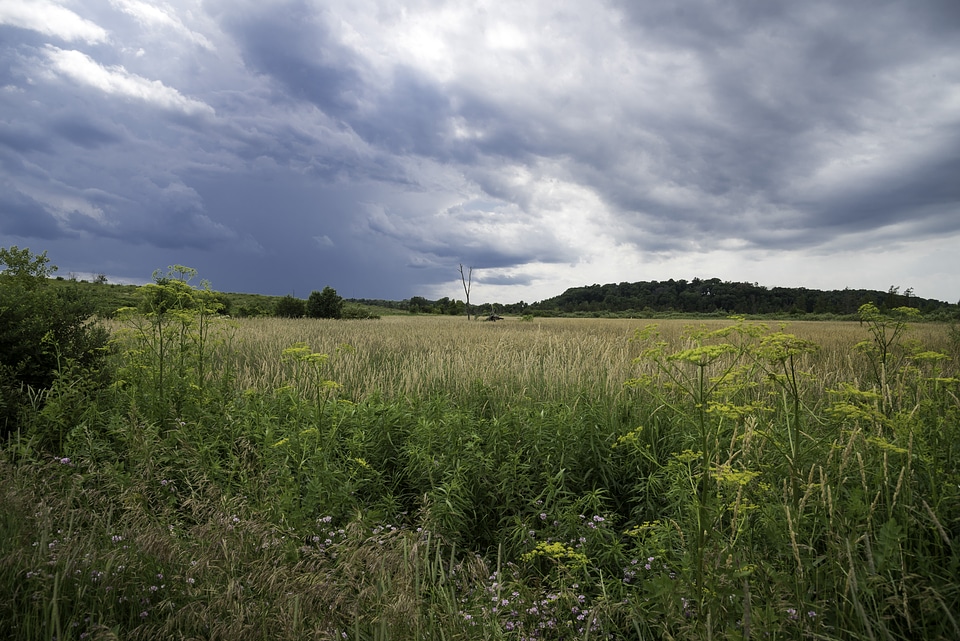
(325, 304)
(290, 307)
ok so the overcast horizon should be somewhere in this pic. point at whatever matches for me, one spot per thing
(374, 146)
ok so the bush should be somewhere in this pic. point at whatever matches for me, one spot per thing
(43, 334)
(325, 304)
(290, 307)
(358, 312)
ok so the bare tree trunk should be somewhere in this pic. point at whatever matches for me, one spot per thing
(467, 281)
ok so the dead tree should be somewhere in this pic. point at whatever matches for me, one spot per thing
(467, 281)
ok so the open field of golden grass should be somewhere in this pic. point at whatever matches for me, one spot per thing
(545, 359)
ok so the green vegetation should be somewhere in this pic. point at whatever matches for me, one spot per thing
(290, 307)
(698, 298)
(325, 304)
(723, 298)
(540, 479)
(47, 349)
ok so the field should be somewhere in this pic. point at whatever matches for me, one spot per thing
(421, 477)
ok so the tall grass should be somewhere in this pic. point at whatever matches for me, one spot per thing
(424, 477)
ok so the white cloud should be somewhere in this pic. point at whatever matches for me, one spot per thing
(51, 19)
(150, 15)
(116, 80)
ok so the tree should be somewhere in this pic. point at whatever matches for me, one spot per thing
(467, 282)
(290, 307)
(419, 305)
(325, 304)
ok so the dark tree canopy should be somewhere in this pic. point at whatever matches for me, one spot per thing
(325, 304)
(290, 307)
(706, 296)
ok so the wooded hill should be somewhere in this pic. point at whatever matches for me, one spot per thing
(714, 296)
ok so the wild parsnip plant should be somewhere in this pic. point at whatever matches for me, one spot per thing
(425, 477)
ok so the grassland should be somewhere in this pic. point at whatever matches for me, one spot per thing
(429, 477)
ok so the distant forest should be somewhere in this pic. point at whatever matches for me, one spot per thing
(697, 297)
(715, 296)
(712, 297)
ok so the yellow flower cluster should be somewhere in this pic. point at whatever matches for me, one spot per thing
(558, 552)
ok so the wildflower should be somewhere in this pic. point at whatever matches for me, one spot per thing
(191, 580)
(144, 614)
(812, 614)
(792, 614)
(116, 538)
(65, 461)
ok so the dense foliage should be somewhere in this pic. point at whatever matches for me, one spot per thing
(44, 336)
(290, 307)
(713, 295)
(325, 304)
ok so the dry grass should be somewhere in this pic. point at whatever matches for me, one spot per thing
(544, 359)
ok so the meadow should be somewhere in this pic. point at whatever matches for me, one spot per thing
(426, 477)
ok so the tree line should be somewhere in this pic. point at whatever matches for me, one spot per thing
(714, 296)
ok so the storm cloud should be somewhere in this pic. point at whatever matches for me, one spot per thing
(374, 146)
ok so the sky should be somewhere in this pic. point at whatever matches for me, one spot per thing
(279, 147)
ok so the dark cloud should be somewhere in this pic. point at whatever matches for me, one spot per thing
(282, 146)
(309, 63)
(85, 133)
(22, 216)
(24, 139)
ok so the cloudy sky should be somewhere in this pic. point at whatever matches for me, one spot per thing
(373, 146)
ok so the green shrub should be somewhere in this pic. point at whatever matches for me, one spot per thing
(325, 304)
(290, 307)
(43, 333)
